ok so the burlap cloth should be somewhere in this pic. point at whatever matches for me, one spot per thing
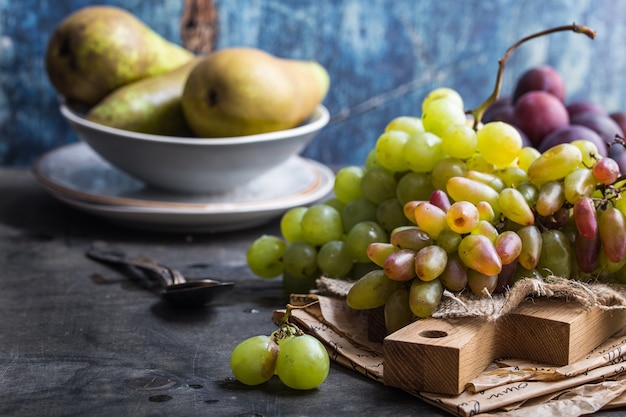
(606, 295)
(591, 384)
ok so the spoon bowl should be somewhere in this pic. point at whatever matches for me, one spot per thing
(195, 293)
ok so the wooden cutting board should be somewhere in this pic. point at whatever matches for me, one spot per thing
(442, 356)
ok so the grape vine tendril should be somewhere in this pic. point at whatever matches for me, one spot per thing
(477, 113)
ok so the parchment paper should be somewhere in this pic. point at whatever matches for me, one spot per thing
(507, 387)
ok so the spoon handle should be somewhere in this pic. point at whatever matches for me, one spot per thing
(168, 276)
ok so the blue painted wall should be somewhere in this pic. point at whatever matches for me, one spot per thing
(383, 57)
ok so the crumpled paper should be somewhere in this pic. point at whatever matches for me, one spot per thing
(506, 387)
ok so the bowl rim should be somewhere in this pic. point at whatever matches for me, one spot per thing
(316, 122)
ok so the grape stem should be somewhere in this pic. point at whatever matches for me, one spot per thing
(477, 113)
(286, 329)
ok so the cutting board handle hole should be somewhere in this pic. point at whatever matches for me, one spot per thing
(433, 334)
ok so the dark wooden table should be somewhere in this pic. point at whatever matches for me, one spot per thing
(78, 338)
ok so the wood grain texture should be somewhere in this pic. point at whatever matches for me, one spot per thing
(442, 356)
(77, 338)
(383, 57)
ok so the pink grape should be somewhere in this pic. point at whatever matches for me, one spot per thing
(584, 213)
(478, 252)
(587, 252)
(508, 246)
(430, 262)
(462, 217)
(612, 231)
(606, 171)
(440, 199)
(400, 265)
(454, 275)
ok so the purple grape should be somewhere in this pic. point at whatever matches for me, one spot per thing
(539, 113)
(571, 133)
(500, 110)
(543, 78)
(620, 118)
(577, 107)
(604, 126)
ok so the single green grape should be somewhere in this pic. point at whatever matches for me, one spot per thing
(303, 362)
(389, 150)
(320, 224)
(253, 361)
(425, 296)
(439, 114)
(360, 236)
(390, 214)
(371, 161)
(356, 211)
(300, 259)
(499, 143)
(290, 224)
(487, 178)
(556, 254)
(397, 311)
(445, 169)
(334, 259)
(264, 256)
(589, 152)
(531, 246)
(555, 163)
(481, 284)
(579, 183)
(443, 92)
(408, 124)
(423, 151)
(515, 207)
(378, 184)
(467, 189)
(371, 290)
(527, 156)
(335, 203)
(414, 186)
(459, 141)
(347, 186)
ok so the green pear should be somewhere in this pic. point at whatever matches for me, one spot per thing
(245, 91)
(150, 105)
(99, 48)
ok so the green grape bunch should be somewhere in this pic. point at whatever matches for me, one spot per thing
(445, 201)
(299, 360)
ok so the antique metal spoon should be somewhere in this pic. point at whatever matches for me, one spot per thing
(174, 288)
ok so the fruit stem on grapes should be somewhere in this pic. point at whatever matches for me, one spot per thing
(286, 329)
(477, 113)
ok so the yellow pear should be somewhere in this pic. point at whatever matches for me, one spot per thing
(245, 91)
(150, 105)
(97, 49)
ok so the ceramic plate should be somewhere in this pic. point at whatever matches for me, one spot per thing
(76, 175)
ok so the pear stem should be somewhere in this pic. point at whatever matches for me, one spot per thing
(477, 113)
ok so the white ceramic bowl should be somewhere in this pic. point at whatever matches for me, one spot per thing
(195, 165)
